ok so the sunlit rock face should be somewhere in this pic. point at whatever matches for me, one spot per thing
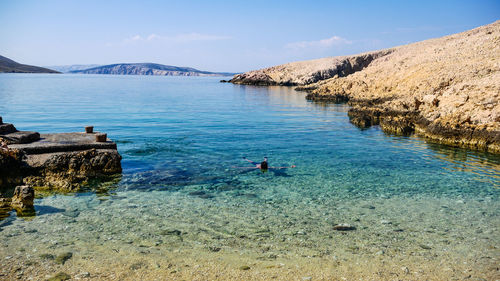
(307, 72)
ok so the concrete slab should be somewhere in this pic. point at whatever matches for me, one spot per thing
(19, 137)
(64, 142)
(6, 128)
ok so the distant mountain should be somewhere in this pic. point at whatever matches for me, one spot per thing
(8, 65)
(73, 67)
(149, 69)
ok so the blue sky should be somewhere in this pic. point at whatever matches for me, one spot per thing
(223, 35)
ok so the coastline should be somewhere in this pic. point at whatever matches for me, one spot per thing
(441, 89)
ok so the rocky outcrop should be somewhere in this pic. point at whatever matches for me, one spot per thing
(65, 162)
(443, 89)
(307, 72)
(22, 201)
(69, 171)
(148, 69)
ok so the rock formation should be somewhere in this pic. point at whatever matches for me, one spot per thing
(445, 89)
(21, 201)
(307, 72)
(23, 197)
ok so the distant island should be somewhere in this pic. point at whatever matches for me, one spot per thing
(9, 66)
(148, 69)
(72, 67)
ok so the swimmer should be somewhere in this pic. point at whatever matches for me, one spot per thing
(263, 166)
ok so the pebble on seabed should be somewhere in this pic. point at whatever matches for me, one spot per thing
(344, 227)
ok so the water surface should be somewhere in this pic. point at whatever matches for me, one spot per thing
(187, 198)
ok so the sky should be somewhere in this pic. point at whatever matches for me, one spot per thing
(232, 36)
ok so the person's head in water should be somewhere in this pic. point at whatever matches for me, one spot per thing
(263, 164)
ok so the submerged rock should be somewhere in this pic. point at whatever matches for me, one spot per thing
(425, 247)
(62, 258)
(61, 276)
(137, 265)
(405, 270)
(171, 232)
(344, 227)
(47, 257)
(82, 275)
(197, 193)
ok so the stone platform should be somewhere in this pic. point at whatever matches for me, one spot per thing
(62, 161)
(64, 142)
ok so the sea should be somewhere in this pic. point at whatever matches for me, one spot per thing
(189, 206)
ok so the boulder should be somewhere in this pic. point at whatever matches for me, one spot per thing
(23, 197)
(22, 201)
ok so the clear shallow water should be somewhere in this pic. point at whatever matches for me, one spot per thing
(184, 188)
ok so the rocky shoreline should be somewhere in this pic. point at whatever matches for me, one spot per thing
(308, 72)
(367, 113)
(445, 90)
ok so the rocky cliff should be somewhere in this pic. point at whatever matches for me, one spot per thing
(307, 72)
(445, 89)
(148, 69)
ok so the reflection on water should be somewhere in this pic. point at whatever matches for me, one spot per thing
(485, 166)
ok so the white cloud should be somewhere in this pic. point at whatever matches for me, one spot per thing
(135, 38)
(323, 43)
(187, 37)
(153, 37)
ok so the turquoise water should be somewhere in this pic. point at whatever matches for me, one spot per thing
(182, 142)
